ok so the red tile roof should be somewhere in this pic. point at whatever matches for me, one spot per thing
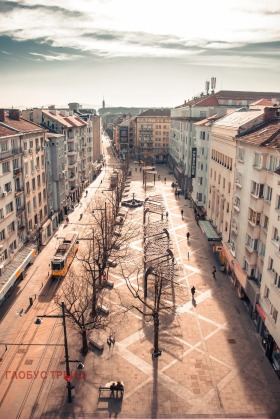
(262, 102)
(23, 125)
(4, 131)
(266, 135)
(156, 112)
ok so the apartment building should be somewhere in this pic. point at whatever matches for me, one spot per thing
(56, 174)
(124, 137)
(23, 197)
(183, 117)
(75, 133)
(152, 129)
(200, 163)
(255, 231)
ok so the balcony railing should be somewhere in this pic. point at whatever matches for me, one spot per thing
(17, 171)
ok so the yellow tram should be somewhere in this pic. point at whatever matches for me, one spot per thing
(64, 255)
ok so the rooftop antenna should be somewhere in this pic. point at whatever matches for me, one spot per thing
(213, 84)
(207, 84)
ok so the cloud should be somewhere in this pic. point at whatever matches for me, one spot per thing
(13, 6)
(56, 57)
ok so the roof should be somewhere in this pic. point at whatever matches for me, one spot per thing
(215, 98)
(156, 112)
(236, 119)
(262, 102)
(244, 95)
(5, 131)
(22, 125)
(67, 121)
(207, 121)
(267, 134)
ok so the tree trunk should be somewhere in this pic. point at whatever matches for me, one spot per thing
(156, 332)
(85, 342)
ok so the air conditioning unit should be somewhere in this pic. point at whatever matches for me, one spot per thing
(5, 193)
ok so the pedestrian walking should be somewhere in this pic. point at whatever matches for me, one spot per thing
(140, 169)
(214, 272)
(182, 214)
(193, 291)
(135, 169)
(165, 180)
(158, 177)
(176, 193)
(81, 216)
(188, 236)
(188, 255)
(166, 214)
(67, 220)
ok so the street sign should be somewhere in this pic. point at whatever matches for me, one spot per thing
(67, 377)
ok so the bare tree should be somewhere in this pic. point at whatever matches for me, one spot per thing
(76, 293)
(107, 243)
(159, 303)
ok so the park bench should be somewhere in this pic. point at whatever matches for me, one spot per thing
(104, 389)
(95, 341)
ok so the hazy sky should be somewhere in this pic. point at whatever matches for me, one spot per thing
(135, 53)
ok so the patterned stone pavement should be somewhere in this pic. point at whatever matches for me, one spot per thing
(212, 365)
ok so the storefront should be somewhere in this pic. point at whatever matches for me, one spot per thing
(234, 270)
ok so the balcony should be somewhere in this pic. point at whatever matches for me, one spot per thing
(20, 209)
(17, 171)
(72, 151)
(72, 164)
(16, 150)
(18, 191)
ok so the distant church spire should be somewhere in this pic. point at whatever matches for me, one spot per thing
(103, 103)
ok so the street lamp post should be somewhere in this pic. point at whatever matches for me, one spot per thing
(67, 360)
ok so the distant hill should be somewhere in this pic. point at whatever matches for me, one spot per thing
(121, 110)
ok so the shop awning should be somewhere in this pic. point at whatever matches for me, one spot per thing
(209, 231)
(261, 312)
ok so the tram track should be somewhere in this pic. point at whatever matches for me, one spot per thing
(11, 353)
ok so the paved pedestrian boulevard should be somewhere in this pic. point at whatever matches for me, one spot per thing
(212, 364)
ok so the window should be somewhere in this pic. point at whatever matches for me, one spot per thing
(32, 165)
(270, 265)
(202, 135)
(224, 182)
(273, 163)
(8, 187)
(229, 187)
(258, 160)
(26, 168)
(251, 243)
(9, 208)
(199, 196)
(4, 145)
(268, 195)
(29, 207)
(219, 179)
(11, 227)
(39, 181)
(5, 167)
(237, 202)
(277, 280)
(257, 189)
(278, 202)
(200, 181)
(273, 313)
(265, 222)
(262, 250)
(238, 178)
(266, 293)
(240, 154)
(33, 184)
(275, 234)
(2, 235)
(254, 217)
(34, 203)
(30, 225)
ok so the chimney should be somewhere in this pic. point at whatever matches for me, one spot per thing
(14, 114)
(2, 115)
(271, 112)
